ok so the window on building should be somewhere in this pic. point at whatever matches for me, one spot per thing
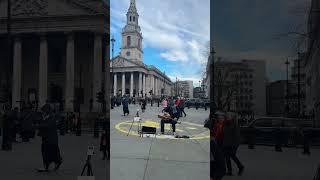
(139, 43)
(129, 41)
(134, 18)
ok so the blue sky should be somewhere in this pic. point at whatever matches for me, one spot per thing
(246, 29)
(175, 32)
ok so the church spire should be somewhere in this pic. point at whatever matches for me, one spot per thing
(133, 3)
(132, 14)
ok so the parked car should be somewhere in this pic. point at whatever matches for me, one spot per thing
(265, 130)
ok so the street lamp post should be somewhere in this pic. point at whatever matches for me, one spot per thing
(9, 46)
(112, 43)
(287, 89)
(299, 87)
(212, 99)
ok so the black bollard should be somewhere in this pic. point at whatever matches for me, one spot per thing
(306, 143)
(251, 138)
(278, 140)
(96, 129)
(78, 130)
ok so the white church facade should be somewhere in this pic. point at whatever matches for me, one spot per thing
(130, 75)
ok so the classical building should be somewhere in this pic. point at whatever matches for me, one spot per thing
(130, 75)
(58, 52)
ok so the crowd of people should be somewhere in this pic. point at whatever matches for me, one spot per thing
(24, 125)
(224, 143)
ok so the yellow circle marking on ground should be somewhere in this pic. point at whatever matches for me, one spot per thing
(124, 128)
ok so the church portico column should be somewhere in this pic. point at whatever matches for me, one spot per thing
(144, 85)
(152, 84)
(123, 83)
(156, 86)
(43, 71)
(16, 84)
(115, 84)
(140, 84)
(69, 91)
(131, 85)
(97, 71)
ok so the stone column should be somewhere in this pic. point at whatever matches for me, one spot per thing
(16, 79)
(131, 85)
(156, 86)
(144, 84)
(97, 70)
(43, 71)
(140, 84)
(152, 86)
(115, 84)
(123, 83)
(69, 91)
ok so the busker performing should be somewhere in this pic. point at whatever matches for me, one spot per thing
(48, 132)
(167, 117)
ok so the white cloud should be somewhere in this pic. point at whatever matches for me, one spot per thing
(179, 29)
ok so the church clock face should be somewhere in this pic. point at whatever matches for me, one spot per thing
(128, 53)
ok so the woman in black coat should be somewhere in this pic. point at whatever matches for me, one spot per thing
(49, 147)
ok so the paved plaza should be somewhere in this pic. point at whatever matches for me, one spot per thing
(159, 158)
(145, 158)
(22, 162)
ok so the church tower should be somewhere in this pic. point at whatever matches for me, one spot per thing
(131, 35)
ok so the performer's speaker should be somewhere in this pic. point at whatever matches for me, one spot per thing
(148, 130)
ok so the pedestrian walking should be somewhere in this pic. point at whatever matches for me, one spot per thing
(231, 141)
(306, 141)
(104, 144)
(49, 147)
(74, 123)
(143, 104)
(26, 124)
(8, 127)
(125, 104)
(182, 107)
(217, 161)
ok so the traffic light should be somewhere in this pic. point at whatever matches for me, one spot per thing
(100, 97)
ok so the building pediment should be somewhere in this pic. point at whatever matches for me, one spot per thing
(43, 8)
(120, 62)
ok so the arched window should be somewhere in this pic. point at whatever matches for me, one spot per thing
(139, 43)
(130, 18)
(134, 18)
(128, 41)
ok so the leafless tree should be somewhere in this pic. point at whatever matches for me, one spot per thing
(226, 85)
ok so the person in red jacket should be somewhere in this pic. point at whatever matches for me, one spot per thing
(218, 129)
